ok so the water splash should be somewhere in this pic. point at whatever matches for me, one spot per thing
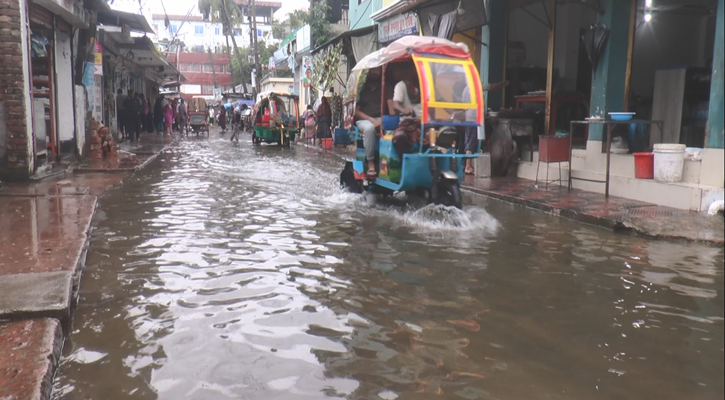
(438, 217)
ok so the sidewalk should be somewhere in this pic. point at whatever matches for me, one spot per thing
(615, 213)
(45, 228)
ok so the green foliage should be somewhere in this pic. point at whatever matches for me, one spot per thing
(320, 27)
(327, 63)
(241, 74)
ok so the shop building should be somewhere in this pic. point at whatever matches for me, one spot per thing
(207, 75)
(41, 103)
(662, 59)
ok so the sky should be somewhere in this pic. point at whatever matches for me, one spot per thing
(181, 7)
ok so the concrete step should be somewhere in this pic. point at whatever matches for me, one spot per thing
(681, 195)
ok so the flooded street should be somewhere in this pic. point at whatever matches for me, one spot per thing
(225, 271)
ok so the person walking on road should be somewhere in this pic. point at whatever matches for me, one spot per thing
(121, 114)
(133, 116)
(159, 114)
(143, 112)
(182, 115)
(168, 118)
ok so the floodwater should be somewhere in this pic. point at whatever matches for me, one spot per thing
(224, 271)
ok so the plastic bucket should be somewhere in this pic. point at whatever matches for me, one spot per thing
(326, 143)
(669, 161)
(644, 165)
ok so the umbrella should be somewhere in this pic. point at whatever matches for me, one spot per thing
(595, 38)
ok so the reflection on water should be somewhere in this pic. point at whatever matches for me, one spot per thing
(233, 272)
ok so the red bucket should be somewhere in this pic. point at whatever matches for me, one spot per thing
(326, 143)
(644, 165)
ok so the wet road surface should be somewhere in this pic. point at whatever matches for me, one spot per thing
(223, 271)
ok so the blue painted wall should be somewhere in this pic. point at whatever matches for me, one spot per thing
(608, 80)
(494, 34)
(715, 128)
(360, 12)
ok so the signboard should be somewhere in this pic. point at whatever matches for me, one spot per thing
(98, 61)
(291, 89)
(303, 38)
(98, 98)
(272, 64)
(398, 26)
(307, 69)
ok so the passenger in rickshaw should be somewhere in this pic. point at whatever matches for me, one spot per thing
(281, 109)
(407, 103)
(367, 115)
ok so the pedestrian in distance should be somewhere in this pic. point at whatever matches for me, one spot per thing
(121, 114)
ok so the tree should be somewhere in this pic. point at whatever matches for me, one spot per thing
(295, 20)
(230, 16)
(317, 19)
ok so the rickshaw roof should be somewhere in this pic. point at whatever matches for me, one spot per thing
(402, 48)
(263, 95)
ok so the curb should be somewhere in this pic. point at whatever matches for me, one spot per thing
(153, 156)
(611, 224)
(56, 319)
(614, 225)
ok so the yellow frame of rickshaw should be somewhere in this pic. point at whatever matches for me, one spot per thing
(427, 74)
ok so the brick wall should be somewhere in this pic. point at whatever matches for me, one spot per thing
(17, 158)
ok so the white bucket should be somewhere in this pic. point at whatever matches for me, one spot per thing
(669, 162)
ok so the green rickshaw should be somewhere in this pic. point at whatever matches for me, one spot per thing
(276, 118)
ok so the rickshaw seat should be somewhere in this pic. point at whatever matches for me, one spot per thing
(390, 122)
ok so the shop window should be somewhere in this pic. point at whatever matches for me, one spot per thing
(173, 29)
(207, 89)
(217, 68)
(199, 30)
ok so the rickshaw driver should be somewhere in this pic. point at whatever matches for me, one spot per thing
(367, 115)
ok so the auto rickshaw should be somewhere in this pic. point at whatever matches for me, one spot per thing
(275, 118)
(198, 114)
(451, 98)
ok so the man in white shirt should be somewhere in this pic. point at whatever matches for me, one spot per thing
(406, 98)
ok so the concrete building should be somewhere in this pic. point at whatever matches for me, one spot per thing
(50, 81)
(203, 72)
(537, 47)
(279, 85)
(199, 34)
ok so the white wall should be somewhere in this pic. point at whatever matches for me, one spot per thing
(81, 118)
(190, 89)
(64, 76)
(277, 85)
(187, 34)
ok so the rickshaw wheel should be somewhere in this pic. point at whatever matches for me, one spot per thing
(450, 196)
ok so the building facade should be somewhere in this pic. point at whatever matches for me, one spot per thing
(204, 72)
(50, 81)
(199, 34)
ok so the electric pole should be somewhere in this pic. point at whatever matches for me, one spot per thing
(253, 28)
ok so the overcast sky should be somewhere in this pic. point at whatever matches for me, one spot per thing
(181, 7)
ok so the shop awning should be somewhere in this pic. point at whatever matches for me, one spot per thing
(143, 53)
(354, 33)
(135, 22)
(453, 16)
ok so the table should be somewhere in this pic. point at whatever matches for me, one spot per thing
(555, 100)
(610, 126)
